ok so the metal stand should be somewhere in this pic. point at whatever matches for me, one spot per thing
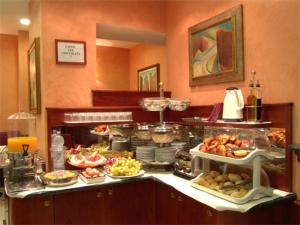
(161, 95)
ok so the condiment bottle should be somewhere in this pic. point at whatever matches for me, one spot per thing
(259, 100)
(252, 100)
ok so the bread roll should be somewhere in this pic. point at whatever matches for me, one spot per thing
(234, 177)
(214, 173)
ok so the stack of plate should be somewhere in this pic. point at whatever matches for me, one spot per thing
(166, 154)
(145, 153)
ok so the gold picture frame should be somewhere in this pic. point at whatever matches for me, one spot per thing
(148, 78)
(34, 81)
(216, 49)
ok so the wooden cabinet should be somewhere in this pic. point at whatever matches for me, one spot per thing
(36, 210)
(138, 202)
(79, 207)
(131, 203)
(172, 207)
(166, 204)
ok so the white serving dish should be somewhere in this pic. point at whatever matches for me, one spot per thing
(255, 193)
(92, 180)
(141, 173)
(179, 104)
(237, 161)
(155, 103)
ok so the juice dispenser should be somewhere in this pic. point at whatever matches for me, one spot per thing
(22, 133)
(22, 150)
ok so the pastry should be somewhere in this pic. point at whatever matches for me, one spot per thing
(241, 153)
(234, 177)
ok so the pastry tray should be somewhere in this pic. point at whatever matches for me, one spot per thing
(237, 161)
(253, 194)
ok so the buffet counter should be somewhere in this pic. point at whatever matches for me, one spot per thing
(167, 178)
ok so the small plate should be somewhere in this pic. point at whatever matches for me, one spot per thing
(141, 173)
(92, 180)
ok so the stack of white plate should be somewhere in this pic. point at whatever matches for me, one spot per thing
(145, 153)
(166, 154)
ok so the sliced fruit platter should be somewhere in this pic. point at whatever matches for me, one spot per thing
(84, 157)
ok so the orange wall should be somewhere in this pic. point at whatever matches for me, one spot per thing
(112, 68)
(8, 78)
(70, 85)
(271, 46)
(144, 55)
(77, 21)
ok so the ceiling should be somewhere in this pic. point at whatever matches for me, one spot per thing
(11, 11)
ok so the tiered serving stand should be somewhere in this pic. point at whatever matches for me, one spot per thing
(253, 160)
(162, 135)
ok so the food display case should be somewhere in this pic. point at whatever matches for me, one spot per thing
(232, 163)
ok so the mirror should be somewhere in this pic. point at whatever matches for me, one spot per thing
(121, 52)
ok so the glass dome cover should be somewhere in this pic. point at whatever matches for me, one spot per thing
(22, 116)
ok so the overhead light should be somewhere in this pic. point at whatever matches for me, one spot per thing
(25, 21)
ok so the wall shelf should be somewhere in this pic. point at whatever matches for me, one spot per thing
(221, 123)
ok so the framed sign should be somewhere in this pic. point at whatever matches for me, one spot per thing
(148, 78)
(34, 81)
(216, 49)
(70, 52)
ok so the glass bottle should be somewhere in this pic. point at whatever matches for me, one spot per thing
(252, 101)
(259, 100)
(57, 150)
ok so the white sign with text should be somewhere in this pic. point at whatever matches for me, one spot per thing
(70, 52)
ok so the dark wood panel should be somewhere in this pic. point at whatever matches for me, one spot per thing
(191, 212)
(294, 213)
(139, 202)
(166, 204)
(38, 210)
(144, 205)
(79, 207)
(117, 204)
(122, 98)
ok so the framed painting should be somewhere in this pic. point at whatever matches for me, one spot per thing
(70, 52)
(216, 49)
(34, 84)
(148, 78)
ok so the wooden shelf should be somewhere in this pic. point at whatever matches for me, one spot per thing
(221, 123)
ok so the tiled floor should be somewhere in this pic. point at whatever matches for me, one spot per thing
(3, 209)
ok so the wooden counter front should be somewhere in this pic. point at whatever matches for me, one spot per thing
(144, 201)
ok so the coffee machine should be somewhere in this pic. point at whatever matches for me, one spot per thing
(24, 162)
